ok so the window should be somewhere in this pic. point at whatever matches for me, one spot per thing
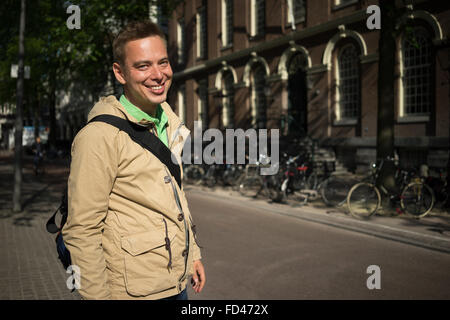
(228, 99)
(203, 103)
(338, 4)
(201, 33)
(344, 2)
(417, 73)
(259, 117)
(227, 23)
(348, 83)
(258, 13)
(297, 11)
(181, 42)
(182, 103)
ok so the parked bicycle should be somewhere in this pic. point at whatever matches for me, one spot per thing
(305, 180)
(252, 183)
(416, 199)
(438, 183)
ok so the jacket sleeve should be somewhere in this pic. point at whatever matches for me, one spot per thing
(92, 172)
(196, 252)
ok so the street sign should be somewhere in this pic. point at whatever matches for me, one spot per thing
(15, 71)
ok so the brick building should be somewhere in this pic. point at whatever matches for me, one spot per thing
(311, 67)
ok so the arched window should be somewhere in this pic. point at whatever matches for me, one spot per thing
(297, 95)
(348, 84)
(259, 116)
(417, 72)
(228, 99)
(202, 103)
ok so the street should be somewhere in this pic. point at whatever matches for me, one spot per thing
(252, 249)
(250, 253)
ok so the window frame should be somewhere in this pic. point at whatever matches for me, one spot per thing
(181, 41)
(228, 100)
(181, 100)
(256, 19)
(227, 19)
(340, 4)
(257, 103)
(403, 116)
(202, 103)
(201, 41)
(340, 119)
(297, 19)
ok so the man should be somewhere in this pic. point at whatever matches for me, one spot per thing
(38, 155)
(129, 229)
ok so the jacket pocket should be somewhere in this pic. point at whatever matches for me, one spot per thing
(146, 261)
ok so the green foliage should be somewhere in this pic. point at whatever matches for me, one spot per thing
(59, 56)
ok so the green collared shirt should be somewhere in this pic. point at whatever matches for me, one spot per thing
(160, 120)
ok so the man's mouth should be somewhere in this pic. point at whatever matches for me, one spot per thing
(159, 89)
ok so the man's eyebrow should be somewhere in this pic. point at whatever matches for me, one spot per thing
(141, 62)
(138, 63)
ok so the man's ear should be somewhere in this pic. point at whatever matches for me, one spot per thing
(118, 72)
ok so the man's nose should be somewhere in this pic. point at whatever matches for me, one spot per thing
(155, 73)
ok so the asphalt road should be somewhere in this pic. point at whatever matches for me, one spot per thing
(255, 253)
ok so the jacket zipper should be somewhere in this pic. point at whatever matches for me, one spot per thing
(180, 209)
(167, 246)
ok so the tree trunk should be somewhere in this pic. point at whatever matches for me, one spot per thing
(386, 78)
(17, 194)
(447, 204)
(36, 113)
(52, 110)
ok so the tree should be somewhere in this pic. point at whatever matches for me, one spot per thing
(386, 94)
(17, 206)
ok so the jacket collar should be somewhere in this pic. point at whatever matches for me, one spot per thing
(176, 130)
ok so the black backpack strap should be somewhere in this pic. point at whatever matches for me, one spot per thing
(147, 140)
(51, 223)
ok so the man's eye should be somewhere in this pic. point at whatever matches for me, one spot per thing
(142, 67)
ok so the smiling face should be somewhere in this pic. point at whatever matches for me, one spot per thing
(145, 72)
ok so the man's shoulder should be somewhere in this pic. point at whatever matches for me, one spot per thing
(95, 134)
(107, 105)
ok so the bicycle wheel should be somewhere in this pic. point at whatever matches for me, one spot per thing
(334, 191)
(417, 199)
(363, 200)
(250, 186)
(272, 189)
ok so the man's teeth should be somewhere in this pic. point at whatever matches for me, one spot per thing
(156, 88)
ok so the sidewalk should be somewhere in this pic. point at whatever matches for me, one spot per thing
(29, 267)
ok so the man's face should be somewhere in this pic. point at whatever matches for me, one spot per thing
(146, 73)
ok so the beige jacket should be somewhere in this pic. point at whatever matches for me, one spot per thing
(123, 204)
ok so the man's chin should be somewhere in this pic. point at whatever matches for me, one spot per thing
(157, 100)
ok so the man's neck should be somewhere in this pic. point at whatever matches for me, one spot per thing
(148, 108)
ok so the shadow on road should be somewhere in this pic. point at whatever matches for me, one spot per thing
(41, 194)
